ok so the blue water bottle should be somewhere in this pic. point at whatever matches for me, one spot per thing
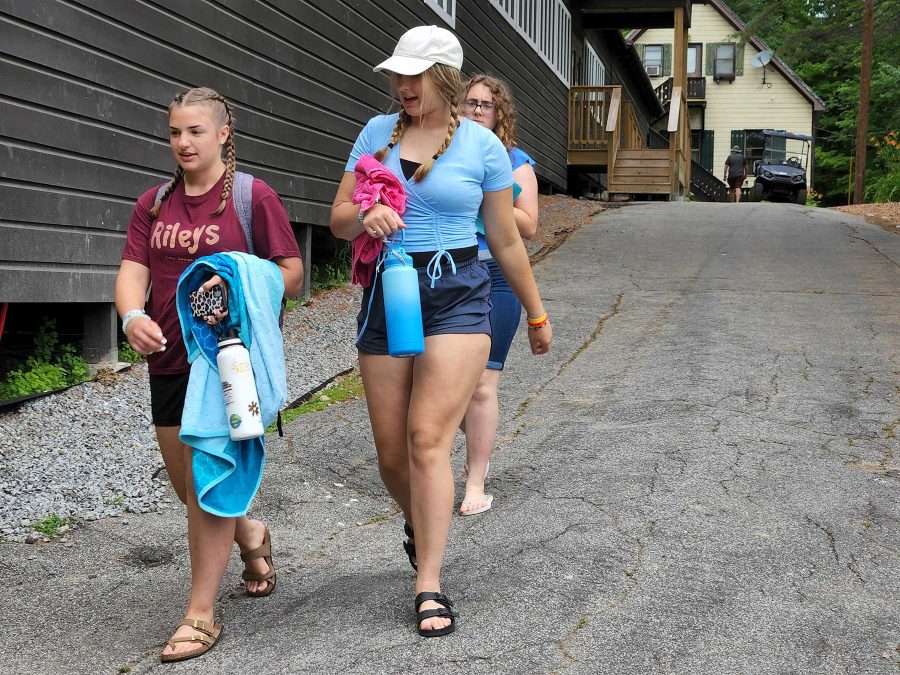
(402, 307)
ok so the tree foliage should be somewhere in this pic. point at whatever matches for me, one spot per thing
(822, 41)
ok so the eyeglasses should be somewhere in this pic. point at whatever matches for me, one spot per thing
(470, 104)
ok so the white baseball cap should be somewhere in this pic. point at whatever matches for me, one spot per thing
(420, 48)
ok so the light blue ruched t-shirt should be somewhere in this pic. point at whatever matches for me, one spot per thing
(441, 209)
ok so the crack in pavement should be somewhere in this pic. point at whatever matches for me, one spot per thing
(598, 329)
(829, 535)
(856, 235)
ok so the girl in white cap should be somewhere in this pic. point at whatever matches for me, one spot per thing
(450, 167)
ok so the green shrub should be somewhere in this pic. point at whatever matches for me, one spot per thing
(334, 273)
(52, 365)
(886, 186)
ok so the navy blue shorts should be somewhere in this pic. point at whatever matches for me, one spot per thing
(459, 303)
(505, 315)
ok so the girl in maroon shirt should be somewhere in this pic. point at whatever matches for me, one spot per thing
(195, 217)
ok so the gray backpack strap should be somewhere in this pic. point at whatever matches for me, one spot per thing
(242, 196)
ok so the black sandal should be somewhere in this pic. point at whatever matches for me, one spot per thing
(409, 546)
(446, 612)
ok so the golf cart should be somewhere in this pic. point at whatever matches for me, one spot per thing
(781, 173)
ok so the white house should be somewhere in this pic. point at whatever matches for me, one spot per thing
(729, 96)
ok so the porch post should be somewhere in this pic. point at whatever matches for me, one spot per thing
(679, 51)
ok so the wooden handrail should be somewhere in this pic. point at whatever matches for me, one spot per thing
(675, 110)
(615, 103)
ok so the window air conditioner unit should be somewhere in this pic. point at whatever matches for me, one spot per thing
(654, 71)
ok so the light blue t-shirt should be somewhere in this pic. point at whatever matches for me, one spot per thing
(517, 157)
(441, 210)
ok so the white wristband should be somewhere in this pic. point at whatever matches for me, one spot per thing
(130, 316)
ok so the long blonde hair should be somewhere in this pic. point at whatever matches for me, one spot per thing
(223, 115)
(505, 127)
(447, 81)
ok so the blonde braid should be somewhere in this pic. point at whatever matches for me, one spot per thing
(453, 125)
(396, 135)
(179, 174)
(230, 158)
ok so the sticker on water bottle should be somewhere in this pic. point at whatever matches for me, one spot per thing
(253, 408)
(235, 421)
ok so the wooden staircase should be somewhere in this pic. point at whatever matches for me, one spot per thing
(641, 172)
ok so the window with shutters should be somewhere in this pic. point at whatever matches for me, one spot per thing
(446, 9)
(724, 64)
(653, 60)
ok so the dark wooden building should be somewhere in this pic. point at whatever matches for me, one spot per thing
(84, 85)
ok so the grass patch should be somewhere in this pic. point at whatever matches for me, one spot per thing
(344, 388)
(582, 623)
(50, 525)
(290, 304)
(128, 355)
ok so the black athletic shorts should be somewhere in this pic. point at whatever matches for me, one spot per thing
(167, 398)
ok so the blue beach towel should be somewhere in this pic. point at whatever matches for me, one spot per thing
(227, 473)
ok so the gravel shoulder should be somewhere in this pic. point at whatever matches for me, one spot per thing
(90, 452)
(887, 215)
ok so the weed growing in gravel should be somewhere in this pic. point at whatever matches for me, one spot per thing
(128, 355)
(50, 525)
(344, 388)
(117, 500)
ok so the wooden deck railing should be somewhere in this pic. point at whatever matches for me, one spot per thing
(603, 120)
(696, 90)
(588, 113)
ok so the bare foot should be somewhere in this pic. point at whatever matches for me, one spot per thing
(475, 501)
(257, 565)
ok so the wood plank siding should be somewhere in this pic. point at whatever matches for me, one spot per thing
(84, 85)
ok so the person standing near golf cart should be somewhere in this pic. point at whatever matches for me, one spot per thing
(735, 173)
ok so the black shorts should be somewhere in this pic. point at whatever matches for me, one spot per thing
(167, 398)
(736, 181)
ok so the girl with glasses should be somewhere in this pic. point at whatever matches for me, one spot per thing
(489, 103)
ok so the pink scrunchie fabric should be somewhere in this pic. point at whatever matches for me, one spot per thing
(375, 183)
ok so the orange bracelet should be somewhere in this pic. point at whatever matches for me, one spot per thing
(539, 322)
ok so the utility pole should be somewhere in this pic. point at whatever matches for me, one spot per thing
(865, 85)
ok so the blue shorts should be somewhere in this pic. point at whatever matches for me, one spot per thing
(505, 315)
(459, 303)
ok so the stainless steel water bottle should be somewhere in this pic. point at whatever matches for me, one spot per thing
(239, 389)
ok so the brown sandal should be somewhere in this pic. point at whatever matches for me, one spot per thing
(264, 551)
(207, 634)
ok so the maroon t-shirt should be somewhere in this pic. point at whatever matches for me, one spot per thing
(186, 229)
